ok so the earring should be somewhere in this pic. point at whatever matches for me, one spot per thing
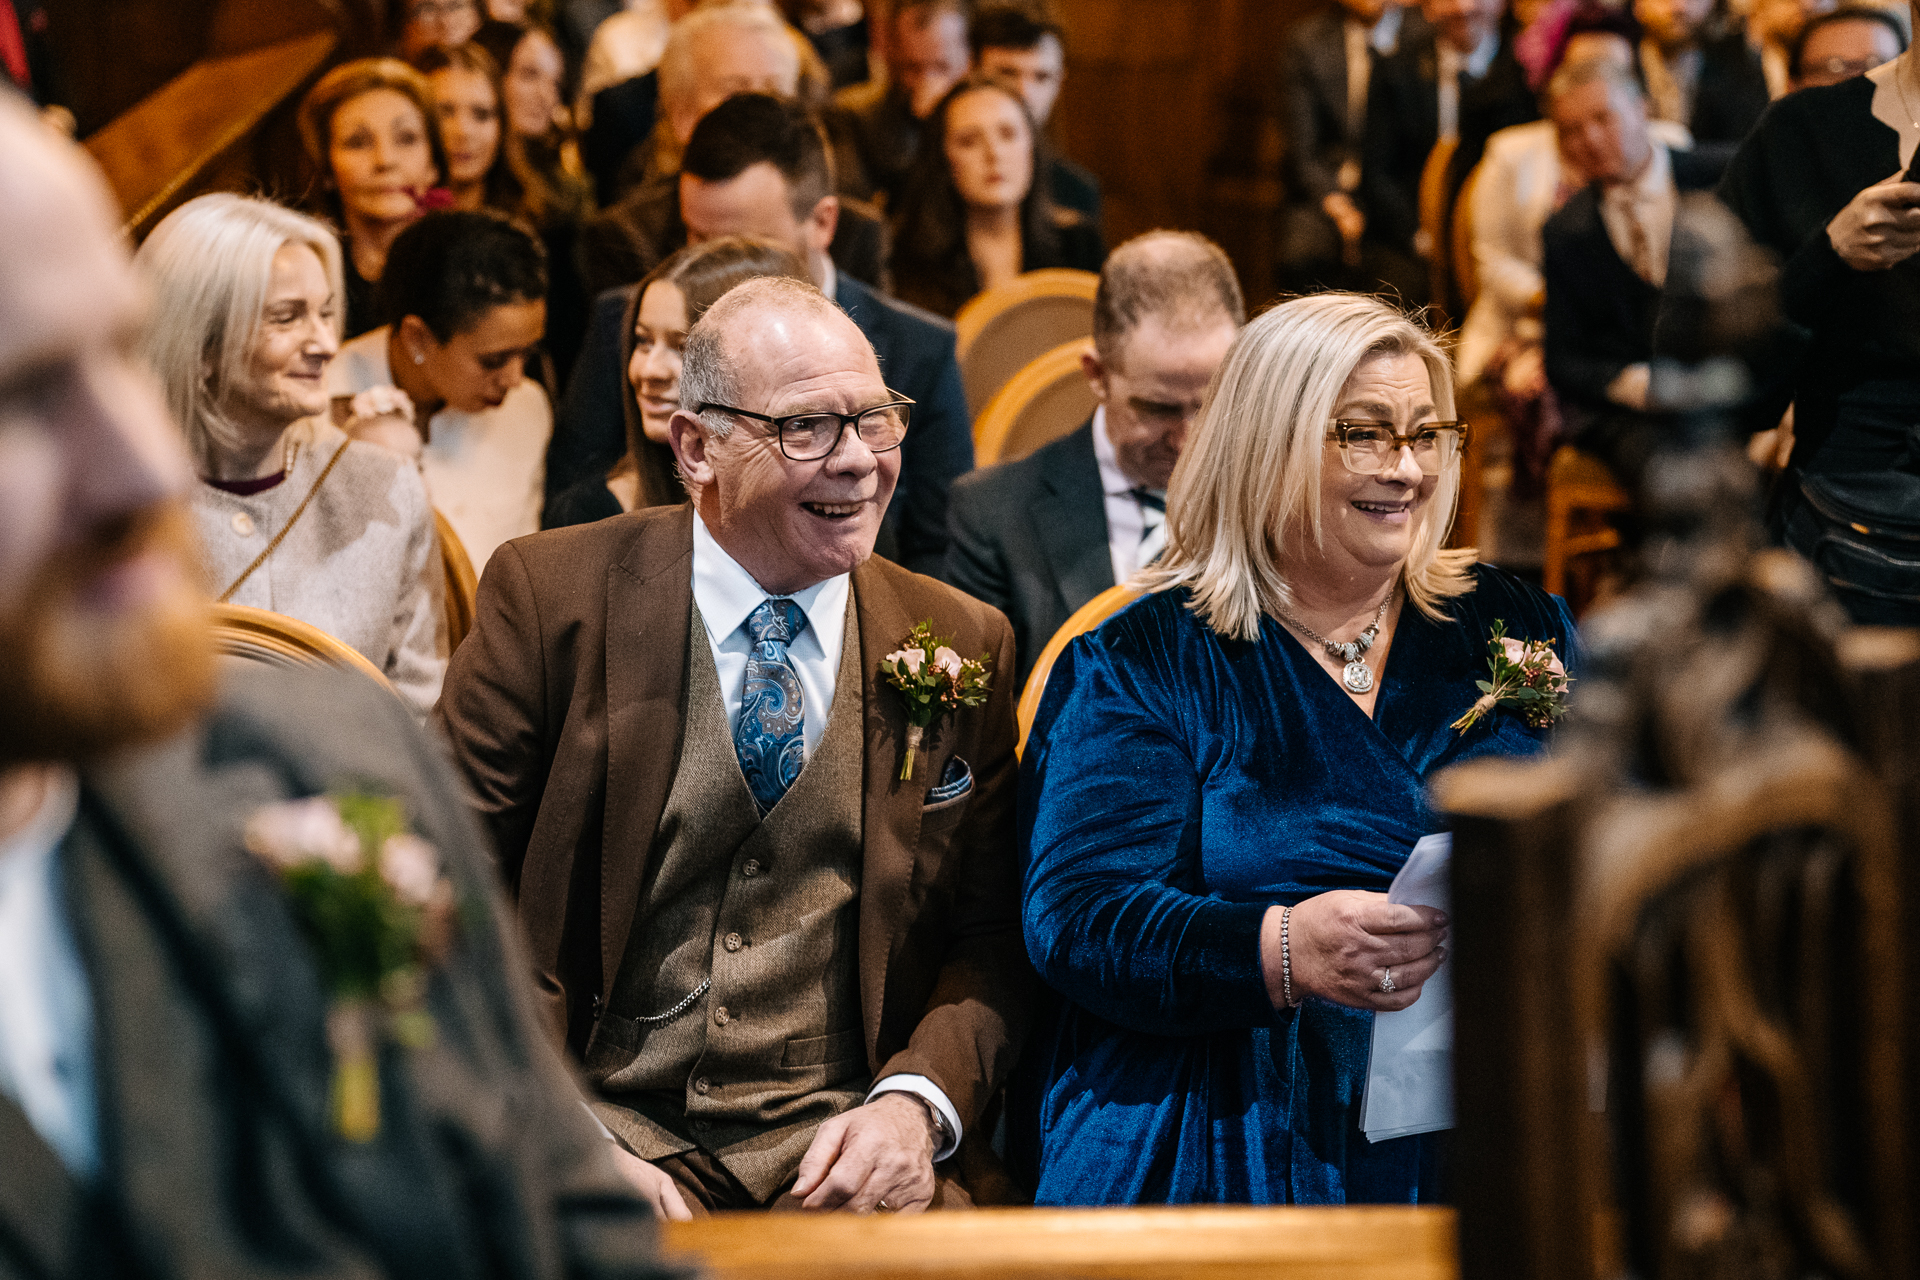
(418, 358)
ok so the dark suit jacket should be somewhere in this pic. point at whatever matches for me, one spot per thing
(212, 1067)
(1600, 314)
(1313, 107)
(1030, 538)
(1403, 123)
(563, 708)
(1074, 187)
(875, 139)
(1731, 93)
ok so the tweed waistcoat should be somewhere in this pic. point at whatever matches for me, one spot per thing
(767, 909)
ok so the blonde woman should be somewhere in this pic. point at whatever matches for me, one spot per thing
(1218, 792)
(291, 516)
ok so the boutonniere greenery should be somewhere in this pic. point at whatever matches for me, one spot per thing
(1528, 679)
(370, 899)
(932, 680)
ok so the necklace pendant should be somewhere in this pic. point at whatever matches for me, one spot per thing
(1358, 676)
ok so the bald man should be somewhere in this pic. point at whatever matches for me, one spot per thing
(791, 975)
(164, 1027)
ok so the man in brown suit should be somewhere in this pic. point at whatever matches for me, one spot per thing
(791, 976)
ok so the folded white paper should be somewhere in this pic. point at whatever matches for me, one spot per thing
(1410, 1075)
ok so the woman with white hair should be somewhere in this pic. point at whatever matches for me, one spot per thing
(292, 517)
(1224, 778)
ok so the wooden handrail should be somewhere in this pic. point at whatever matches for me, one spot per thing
(1358, 1242)
(177, 136)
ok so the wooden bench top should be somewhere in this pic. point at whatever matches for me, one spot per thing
(1209, 1243)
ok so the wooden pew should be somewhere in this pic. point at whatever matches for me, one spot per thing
(1359, 1242)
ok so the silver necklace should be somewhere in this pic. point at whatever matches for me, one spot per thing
(1356, 675)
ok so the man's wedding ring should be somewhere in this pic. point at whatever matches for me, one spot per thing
(1386, 980)
(884, 1207)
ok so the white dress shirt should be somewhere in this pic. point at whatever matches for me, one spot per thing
(725, 594)
(46, 1010)
(485, 471)
(1639, 217)
(1126, 518)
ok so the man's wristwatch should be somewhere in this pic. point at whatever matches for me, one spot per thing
(936, 1123)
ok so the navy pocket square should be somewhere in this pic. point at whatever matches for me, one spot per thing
(955, 781)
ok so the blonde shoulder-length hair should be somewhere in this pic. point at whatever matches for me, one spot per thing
(1247, 487)
(210, 266)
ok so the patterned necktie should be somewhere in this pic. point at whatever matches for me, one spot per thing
(1153, 525)
(768, 737)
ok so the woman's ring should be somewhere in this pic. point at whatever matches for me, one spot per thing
(1386, 980)
(884, 1207)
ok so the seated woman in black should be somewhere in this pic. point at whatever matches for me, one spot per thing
(973, 217)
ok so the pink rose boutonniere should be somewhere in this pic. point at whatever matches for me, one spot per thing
(932, 680)
(1528, 679)
(370, 899)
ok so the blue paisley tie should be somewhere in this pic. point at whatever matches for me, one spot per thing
(768, 737)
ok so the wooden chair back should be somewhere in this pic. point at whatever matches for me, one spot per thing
(1001, 331)
(1466, 272)
(1085, 618)
(1044, 401)
(1682, 1026)
(1436, 206)
(1581, 492)
(460, 582)
(259, 635)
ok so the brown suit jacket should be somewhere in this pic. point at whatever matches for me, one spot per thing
(563, 708)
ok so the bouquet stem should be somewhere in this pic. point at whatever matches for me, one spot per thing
(914, 734)
(1486, 703)
(356, 1073)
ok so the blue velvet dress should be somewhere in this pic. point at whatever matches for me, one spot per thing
(1175, 786)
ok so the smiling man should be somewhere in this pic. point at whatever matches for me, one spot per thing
(792, 977)
(1040, 537)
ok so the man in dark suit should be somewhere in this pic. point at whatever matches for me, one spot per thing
(1039, 537)
(1700, 73)
(165, 1032)
(759, 166)
(793, 972)
(1453, 76)
(1020, 44)
(1606, 249)
(1326, 73)
(875, 127)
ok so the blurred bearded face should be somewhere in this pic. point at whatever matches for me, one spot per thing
(103, 634)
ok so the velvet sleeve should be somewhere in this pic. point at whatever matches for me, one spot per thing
(1112, 908)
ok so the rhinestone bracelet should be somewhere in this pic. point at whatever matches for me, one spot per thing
(1286, 959)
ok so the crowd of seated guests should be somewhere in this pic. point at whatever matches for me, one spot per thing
(652, 303)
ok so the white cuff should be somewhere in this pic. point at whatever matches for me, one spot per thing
(922, 1087)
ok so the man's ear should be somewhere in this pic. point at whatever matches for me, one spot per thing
(1090, 364)
(821, 223)
(689, 440)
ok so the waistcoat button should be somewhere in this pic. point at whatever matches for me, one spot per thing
(701, 1086)
(720, 1015)
(751, 869)
(702, 1125)
(733, 942)
(242, 524)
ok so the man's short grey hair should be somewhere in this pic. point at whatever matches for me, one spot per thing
(1180, 277)
(709, 371)
(678, 69)
(1578, 75)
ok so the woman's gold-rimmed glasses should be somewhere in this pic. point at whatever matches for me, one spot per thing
(1369, 448)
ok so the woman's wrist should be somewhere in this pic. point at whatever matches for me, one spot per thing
(1276, 959)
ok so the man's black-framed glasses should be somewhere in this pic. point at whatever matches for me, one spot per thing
(1369, 448)
(807, 437)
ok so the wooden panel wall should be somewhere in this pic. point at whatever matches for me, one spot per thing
(1172, 104)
